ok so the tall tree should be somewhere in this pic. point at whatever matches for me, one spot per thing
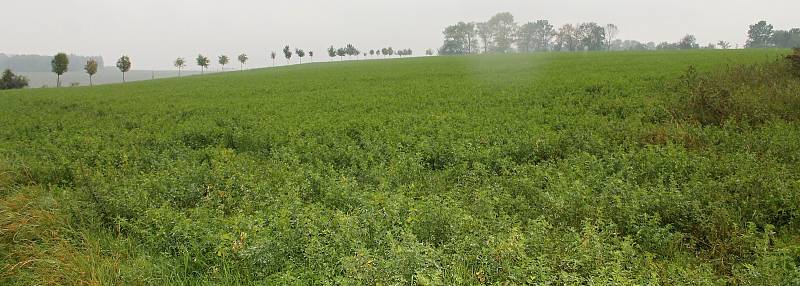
(124, 65)
(794, 35)
(525, 38)
(242, 61)
(59, 65)
(273, 55)
(300, 54)
(287, 52)
(459, 39)
(543, 33)
(724, 45)
(611, 33)
(591, 36)
(203, 62)
(759, 34)
(565, 39)
(485, 33)
(688, 42)
(91, 70)
(503, 30)
(180, 63)
(223, 60)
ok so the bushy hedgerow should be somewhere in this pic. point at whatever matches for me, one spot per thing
(745, 93)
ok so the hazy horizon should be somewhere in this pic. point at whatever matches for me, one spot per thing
(153, 33)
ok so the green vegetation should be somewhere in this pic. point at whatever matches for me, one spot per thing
(91, 69)
(9, 80)
(548, 169)
(124, 65)
(60, 65)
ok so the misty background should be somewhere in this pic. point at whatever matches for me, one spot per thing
(155, 32)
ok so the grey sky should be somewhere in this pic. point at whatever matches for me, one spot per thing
(155, 32)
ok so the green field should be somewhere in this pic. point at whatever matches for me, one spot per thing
(542, 169)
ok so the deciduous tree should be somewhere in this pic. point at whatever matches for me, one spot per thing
(60, 65)
(11, 81)
(223, 60)
(124, 65)
(242, 61)
(91, 70)
(180, 63)
(300, 54)
(759, 34)
(287, 52)
(203, 62)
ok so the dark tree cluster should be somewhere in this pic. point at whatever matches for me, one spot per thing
(9, 80)
(764, 35)
(405, 52)
(501, 34)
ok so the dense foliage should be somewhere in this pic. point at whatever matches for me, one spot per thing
(9, 80)
(549, 169)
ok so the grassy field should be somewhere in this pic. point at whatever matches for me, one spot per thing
(544, 169)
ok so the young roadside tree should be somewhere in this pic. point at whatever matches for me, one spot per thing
(311, 55)
(724, 45)
(11, 81)
(60, 65)
(180, 63)
(91, 70)
(341, 52)
(371, 52)
(273, 55)
(203, 62)
(351, 51)
(124, 65)
(429, 52)
(300, 54)
(224, 60)
(242, 60)
(332, 52)
(287, 52)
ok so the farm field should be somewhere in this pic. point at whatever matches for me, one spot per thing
(539, 169)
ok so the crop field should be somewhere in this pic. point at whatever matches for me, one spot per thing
(538, 169)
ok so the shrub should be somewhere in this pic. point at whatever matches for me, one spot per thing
(11, 81)
(794, 61)
(747, 93)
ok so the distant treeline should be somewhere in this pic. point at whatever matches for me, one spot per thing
(37, 63)
(502, 34)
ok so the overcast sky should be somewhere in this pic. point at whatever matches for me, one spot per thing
(155, 32)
